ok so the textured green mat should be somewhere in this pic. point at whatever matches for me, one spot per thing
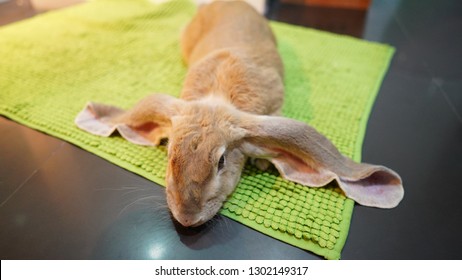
(116, 52)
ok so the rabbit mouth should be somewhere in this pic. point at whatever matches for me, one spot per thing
(210, 210)
(188, 220)
(199, 223)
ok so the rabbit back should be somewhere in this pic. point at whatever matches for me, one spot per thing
(232, 54)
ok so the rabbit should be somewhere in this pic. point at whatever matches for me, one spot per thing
(229, 111)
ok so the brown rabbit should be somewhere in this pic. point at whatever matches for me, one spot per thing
(228, 112)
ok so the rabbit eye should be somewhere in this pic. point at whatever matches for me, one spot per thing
(221, 162)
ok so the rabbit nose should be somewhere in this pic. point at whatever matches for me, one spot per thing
(189, 220)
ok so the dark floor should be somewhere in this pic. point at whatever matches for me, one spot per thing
(60, 202)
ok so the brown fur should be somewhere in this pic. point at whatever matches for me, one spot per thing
(232, 53)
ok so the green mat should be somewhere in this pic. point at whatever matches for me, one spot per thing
(116, 52)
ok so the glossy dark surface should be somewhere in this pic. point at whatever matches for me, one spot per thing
(60, 202)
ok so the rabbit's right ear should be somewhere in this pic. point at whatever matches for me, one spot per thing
(147, 123)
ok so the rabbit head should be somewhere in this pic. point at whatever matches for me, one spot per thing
(204, 161)
(210, 140)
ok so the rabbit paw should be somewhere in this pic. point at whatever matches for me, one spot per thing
(260, 163)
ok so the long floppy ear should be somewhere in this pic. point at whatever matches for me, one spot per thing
(303, 155)
(147, 123)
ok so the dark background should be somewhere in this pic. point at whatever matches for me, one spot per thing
(60, 202)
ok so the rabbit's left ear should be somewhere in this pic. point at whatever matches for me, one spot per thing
(303, 155)
(147, 123)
